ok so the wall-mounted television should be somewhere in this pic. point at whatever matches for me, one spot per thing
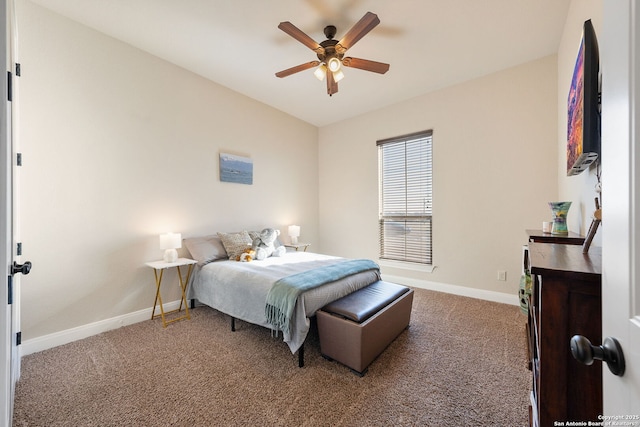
(583, 122)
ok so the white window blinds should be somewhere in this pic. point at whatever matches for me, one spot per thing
(405, 170)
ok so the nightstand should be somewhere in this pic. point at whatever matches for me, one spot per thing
(158, 269)
(298, 246)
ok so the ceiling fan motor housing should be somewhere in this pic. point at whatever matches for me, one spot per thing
(330, 51)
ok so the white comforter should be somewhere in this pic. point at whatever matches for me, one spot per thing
(240, 289)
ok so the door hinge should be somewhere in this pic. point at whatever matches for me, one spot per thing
(17, 69)
(18, 248)
(19, 159)
(19, 338)
(9, 86)
(10, 290)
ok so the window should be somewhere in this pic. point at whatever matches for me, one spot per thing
(405, 165)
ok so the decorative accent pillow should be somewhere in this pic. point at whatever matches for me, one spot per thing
(235, 243)
(206, 249)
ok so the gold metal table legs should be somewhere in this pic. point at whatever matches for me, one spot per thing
(184, 282)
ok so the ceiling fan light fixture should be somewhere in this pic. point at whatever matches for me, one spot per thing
(330, 53)
(334, 64)
(320, 72)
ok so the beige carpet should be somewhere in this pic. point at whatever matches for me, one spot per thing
(461, 363)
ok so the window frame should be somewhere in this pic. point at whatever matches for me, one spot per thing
(402, 205)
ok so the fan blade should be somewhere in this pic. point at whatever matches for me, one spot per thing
(299, 35)
(297, 69)
(332, 85)
(365, 64)
(359, 30)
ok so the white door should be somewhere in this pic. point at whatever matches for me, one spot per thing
(6, 258)
(9, 267)
(620, 59)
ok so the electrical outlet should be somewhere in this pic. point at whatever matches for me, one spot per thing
(502, 275)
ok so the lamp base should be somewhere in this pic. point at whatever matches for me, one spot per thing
(170, 255)
(294, 240)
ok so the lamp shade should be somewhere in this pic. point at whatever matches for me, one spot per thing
(320, 72)
(294, 233)
(170, 242)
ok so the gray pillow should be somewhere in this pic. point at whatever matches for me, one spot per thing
(205, 249)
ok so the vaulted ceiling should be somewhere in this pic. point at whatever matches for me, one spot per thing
(430, 44)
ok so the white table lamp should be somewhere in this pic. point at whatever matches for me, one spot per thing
(294, 233)
(170, 242)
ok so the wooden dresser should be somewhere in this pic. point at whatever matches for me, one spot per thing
(542, 237)
(565, 301)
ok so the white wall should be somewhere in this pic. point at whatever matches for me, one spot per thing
(495, 169)
(579, 189)
(120, 146)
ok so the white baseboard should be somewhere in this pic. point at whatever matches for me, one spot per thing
(483, 294)
(64, 337)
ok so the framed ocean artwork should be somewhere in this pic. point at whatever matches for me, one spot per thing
(236, 169)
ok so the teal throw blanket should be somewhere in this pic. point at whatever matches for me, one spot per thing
(284, 293)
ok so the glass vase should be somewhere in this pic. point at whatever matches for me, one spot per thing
(560, 210)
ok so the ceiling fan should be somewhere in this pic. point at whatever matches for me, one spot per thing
(331, 52)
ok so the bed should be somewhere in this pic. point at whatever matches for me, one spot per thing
(241, 289)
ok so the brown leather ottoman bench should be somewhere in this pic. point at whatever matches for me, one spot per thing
(355, 329)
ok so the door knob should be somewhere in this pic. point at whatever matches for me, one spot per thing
(610, 351)
(21, 268)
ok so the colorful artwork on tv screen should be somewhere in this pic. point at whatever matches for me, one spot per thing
(575, 111)
(583, 106)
